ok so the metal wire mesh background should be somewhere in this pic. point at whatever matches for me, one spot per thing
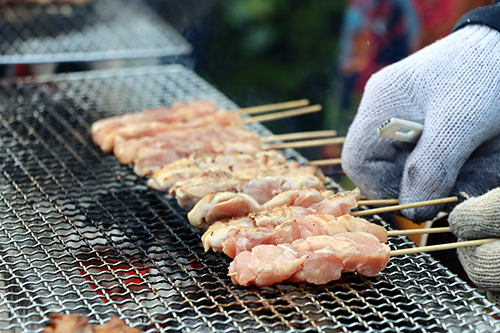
(101, 30)
(82, 233)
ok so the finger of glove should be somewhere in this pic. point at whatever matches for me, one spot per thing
(449, 138)
(477, 217)
(375, 164)
(481, 172)
(482, 264)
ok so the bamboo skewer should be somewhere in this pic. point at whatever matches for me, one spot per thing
(299, 136)
(273, 107)
(440, 247)
(306, 143)
(331, 161)
(420, 231)
(281, 115)
(380, 202)
(406, 206)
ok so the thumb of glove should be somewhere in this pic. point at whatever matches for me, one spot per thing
(477, 217)
(482, 265)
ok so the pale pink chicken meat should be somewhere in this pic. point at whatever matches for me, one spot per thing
(211, 209)
(150, 154)
(215, 236)
(178, 112)
(150, 159)
(316, 259)
(140, 129)
(197, 163)
(261, 189)
(221, 206)
(292, 169)
(245, 238)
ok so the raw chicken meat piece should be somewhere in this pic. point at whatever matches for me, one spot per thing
(317, 260)
(211, 209)
(142, 129)
(198, 163)
(177, 113)
(128, 150)
(261, 189)
(215, 236)
(245, 238)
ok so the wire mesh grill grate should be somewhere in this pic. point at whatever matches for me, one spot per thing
(101, 30)
(82, 233)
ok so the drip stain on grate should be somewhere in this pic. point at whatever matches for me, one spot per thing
(82, 233)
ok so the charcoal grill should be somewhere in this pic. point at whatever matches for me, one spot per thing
(81, 233)
(101, 30)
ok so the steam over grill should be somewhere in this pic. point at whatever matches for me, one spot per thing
(81, 233)
(103, 29)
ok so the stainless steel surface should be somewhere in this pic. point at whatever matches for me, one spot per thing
(101, 30)
(82, 233)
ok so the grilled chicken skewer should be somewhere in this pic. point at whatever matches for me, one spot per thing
(150, 154)
(283, 224)
(316, 259)
(103, 131)
(198, 163)
(245, 238)
(262, 189)
(228, 205)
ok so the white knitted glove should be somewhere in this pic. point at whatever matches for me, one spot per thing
(480, 218)
(453, 88)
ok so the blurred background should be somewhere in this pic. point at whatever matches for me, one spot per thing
(267, 51)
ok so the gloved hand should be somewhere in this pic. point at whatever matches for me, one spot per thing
(474, 219)
(453, 88)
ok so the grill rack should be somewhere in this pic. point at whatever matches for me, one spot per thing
(100, 30)
(82, 233)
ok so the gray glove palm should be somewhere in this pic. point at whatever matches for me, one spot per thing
(453, 88)
(480, 218)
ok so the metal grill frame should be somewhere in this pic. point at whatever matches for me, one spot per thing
(79, 232)
(100, 30)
